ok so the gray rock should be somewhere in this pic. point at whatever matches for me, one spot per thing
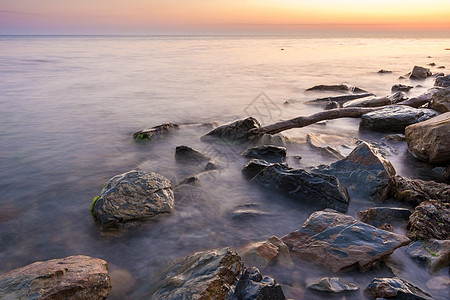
(395, 137)
(384, 71)
(368, 102)
(155, 132)
(398, 97)
(419, 73)
(269, 153)
(255, 166)
(400, 88)
(336, 88)
(253, 286)
(237, 131)
(332, 105)
(132, 196)
(316, 142)
(441, 100)
(435, 254)
(443, 81)
(342, 98)
(338, 241)
(395, 118)
(187, 154)
(376, 216)
(396, 288)
(73, 277)
(430, 220)
(278, 140)
(332, 284)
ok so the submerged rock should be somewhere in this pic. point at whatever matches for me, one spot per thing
(395, 118)
(237, 131)
(332, 284)
(154, 132)
(384, 71)
(336, 88)
(401, 88)
(253, 286)
(317, 143)
(443, 81)
(268, 153)
(255, 166)
(435, 254)
(419, 73)
(73, 277)
(376, 216)
(187, 154)
(246, 212)
(430, 220)
(441, 101)
(396, 288)
(430, 140)
(261, 254)
(398, 97)
(132, 196)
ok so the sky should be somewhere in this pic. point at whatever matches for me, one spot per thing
(220, 16)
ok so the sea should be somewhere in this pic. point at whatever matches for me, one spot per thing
(70, 104)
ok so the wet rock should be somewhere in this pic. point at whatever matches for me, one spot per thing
(332, 284)
(441, 67)
(272, 139)
(253, 286)
(237, 131)
(319, 144)
(416, 191)
(431, 64)
(132, 196)
(155, 132)
(443, 81)
(435, 254)
(332, 105)
(247, 212)
(441, 101)
(324, 191)
(338, 241)
(384, 71)
(73, 277)
(261, 254)
(395, 118)
(396, 288)
(430, 140)
(376, 216)
(419, 73)
(430, 220)
(395, 137)
(364, 172)
(187, 154)
(401, 88)
(343, 98)
(368, 102)
(398, 97)
(438, 74)
(336, 88)
(268, 152)
(253, 167)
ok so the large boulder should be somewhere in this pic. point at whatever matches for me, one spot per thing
(395, 288)
(73, 277)
(376, 216)
(434, 254)
(430, 220)
(430, 140)
(420, 73)
(324, 191)
(269, 153)
(155, 132)
(132, 196)
(364, 172)
(441, 101)
(237, 131)
(253, 286)
(338, 241)
(443, 81)
(395, 118)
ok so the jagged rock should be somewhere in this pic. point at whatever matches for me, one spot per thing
(396, 288)
(435, 254)
(443, 81)
(272, 139)
(269, 153)
(317, 143)
(398, 97)
(395, 118)
(332, 284)
(261, 254)
(341, 99)
(338, 241)
(237, 131)
(187, 154)
(419, 73)
(364, 172)
(401, 88)
(255, 166)
(376, 216)
(384, 71)
(430, 220)
(336, 88)
(368, 102)
(430, 140)
(154, 132)
(132, 196)
(332, 105)
(73, 277)
(324, 191)
(253, 286)
(441, 101)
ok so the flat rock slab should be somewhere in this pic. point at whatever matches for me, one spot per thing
(133, 196)
(73, 277)
(434, 254)
(376, 216)
(331, 284)
(338, 241)
(395, 288)
(368, 102)
(253, 286)
(430, 220)
(155, 132)
(269, 153)
(237, 131)
(395, 118)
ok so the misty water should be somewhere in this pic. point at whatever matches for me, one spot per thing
(69, 106)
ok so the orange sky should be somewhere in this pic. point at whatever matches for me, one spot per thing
(149, 16)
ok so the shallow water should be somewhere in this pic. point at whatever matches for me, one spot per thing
(69, 106)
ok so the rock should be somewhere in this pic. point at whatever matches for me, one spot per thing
(443, 81)
(368, 102)
(441, 101)
(73, 277)
(269, 153)
(398, 97)
(441, 67)
(336, 88)
(376, 216)
(187, 154)
(395, 137)
(419, 73)
(332, 105)
(396, 288)
(338, 241)
(343, 98)
(384, 71)
(237, 131)
(431, 64)
(324, 191)
(400, 88)
(253, 167)
(438, 74)
(387, 227)
(132, 196)
(332, 284)
(253, 286)
(210, 274)
(122, 282)
(261, 254)
(246, 211)
(395, 118)
(326, 150)
(435, 254)
(438, 283)
(154, 132)
(430, 220)
(272, 139)
(429, 140)
(416, 191)
(364, 172)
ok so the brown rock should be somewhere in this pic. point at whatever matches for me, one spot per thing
(430, 220)
(263, 253)
(419, 73)
(441, 101)
(416, 191)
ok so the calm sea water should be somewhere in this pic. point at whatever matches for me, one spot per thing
(68, 107)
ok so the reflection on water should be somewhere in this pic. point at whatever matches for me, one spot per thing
(69, 105)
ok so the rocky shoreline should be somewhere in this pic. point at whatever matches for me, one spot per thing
(329, 238)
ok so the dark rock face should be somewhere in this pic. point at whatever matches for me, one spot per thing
(187, 154)
(443, 81)
(396, 288)
(398, 97)
(430, 220)
(368, 102)
(416, 191)
(332, 284)
(376, 216)
(133, 196)
(267, 152)
(324, 191)
(430, 140)
(395, 118)
(364, 172)
(238, 131)
(332, 105)
(441, 101)
(336, 88)
(434, 254)
(338, 241)
(419, 73)
(73, 277)
(401, 88)
(255, 166)
(253, 286)
(154, 132)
